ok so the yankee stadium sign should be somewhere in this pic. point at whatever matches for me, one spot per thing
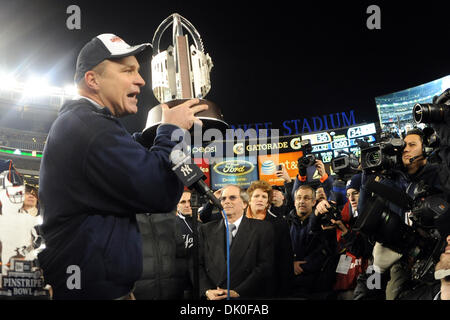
(305, 125)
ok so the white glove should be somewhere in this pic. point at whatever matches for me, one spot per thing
(383, 258)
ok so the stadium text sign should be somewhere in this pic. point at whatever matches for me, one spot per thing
(305, 125)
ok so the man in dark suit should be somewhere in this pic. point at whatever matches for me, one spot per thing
(251, 251)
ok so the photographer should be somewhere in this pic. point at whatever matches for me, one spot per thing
(353, 249)
(437, 114)
(413, 170)
(438, 290)
(314, 262)
(345, 165)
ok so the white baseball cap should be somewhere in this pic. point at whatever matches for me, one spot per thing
(104, 46)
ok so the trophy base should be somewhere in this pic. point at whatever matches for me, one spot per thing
(211, 118)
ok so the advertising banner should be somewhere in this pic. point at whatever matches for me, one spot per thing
(267, 166)
(240, 171)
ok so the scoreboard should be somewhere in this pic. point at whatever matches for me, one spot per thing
(327, 145)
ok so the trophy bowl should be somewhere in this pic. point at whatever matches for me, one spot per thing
(211, 118)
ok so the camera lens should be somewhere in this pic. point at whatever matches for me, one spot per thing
(429, 113)
(373, 158)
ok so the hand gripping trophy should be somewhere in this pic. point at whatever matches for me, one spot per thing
(180, 73)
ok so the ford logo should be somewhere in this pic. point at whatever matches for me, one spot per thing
(234, 167)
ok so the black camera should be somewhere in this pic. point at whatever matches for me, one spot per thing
(345, 165)
(422, 240)
(308, 159)
(435, 112)
(385, 155)
(333, 213)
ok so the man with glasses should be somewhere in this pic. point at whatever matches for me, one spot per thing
(251, 251)
(310, 249)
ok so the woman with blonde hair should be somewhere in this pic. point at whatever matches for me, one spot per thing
(260, 196)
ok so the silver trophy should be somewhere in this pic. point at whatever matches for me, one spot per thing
(181, 72)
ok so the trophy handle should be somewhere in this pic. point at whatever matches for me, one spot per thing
(179, 20)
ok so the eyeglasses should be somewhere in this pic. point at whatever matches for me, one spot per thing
(232, 198)
(185, 202)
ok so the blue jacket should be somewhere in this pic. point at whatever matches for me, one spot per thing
(94, 178)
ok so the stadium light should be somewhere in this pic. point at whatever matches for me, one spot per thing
(36, 86)
(7, 82)
(70, 90)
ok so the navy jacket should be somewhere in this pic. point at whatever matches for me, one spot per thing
(306, 244)
(94, 178)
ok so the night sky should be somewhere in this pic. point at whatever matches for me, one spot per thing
(273, 61)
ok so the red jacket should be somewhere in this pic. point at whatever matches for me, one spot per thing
(358, 264)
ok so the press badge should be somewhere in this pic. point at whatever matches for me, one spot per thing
(344, 264)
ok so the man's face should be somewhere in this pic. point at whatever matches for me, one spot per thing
(119, 85)
(444, 261)
(304, 202)
(353, 197)
(320, 194)
(232, 203)
(413, 148)
(184, 206)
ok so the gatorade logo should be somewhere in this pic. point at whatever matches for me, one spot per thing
(295, 143)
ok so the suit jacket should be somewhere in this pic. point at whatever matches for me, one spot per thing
(251, 257)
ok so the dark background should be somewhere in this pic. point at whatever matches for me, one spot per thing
(273, 60)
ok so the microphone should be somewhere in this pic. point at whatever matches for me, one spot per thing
(411, 160)
(191, 175)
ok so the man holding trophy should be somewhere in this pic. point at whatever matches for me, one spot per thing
(94, 177)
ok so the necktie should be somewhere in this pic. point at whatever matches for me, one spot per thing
(231, 228)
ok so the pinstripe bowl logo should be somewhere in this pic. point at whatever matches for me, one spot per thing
(234, 167)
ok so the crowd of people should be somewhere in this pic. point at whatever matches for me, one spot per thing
(313, 248)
